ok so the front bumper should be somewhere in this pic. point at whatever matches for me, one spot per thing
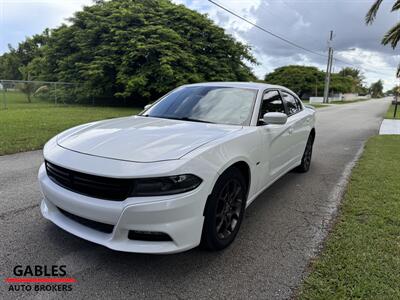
(179, 216)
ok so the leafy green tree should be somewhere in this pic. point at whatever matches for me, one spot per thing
(357, 78)
(376, 89)
(9, 65)
(308, 81)
(14, 59)
(138, 50)
(391, 37)
(394, 91)
(303, 80)
(340, 84)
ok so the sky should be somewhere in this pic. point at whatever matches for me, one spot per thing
(304, 22)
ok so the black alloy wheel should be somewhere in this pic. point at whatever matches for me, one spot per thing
(224, 210)
(229, 208)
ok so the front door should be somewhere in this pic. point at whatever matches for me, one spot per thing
(298, 126)
(275, 140)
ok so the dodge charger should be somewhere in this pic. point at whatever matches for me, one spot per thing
(179, 174)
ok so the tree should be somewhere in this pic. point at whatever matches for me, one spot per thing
(395, 91)
(340, 84)
(376, 89)
(356, 76)
(308, 81)
(11, 62)
(303, 80)
(9, 65)
(137, 51)
(26, 87)
(391, 37)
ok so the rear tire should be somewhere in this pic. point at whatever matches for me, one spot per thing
(306, 159)
(224, 210)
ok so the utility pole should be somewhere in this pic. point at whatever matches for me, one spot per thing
(328, 69)
(396, 100)
(316, 86)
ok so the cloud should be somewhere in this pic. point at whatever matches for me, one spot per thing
(22, 18)
(306, 22)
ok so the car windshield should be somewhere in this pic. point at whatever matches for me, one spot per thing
(210, 104)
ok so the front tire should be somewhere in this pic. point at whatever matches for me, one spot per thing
(306, 159)
(224, 210)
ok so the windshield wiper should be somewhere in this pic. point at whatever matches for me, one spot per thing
(181, 119)
(194, 120)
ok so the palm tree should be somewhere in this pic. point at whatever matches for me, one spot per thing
(392, 37)
(356, 76)
(376, 89)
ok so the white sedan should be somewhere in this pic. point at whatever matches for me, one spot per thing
(179, 174)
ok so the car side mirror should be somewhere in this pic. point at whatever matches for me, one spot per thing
(276, 118)
(147, 106)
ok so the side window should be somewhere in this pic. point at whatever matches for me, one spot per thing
(271, 102)
(293, 105)
(298, 104)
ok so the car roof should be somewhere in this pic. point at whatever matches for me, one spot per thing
(246, 85)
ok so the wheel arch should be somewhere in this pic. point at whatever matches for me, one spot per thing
(244, 168)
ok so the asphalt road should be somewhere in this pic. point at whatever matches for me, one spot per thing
(281, 232)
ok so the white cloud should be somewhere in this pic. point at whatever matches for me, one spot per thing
(306, 22)
(22, 18)
(374, 65)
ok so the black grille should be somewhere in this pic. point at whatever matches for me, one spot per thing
(106, 228)
(90, 185)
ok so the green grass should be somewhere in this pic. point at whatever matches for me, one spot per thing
(316, 105)
(27, 126)
(361, 257)
(333, 102)
(390, 112)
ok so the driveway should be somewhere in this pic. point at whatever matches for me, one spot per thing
(281, 232)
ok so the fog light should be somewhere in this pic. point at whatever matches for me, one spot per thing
(150, 236)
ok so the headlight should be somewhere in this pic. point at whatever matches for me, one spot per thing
(165, 185)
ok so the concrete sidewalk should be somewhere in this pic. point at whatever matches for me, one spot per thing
(389, 126)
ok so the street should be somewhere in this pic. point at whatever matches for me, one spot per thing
(282, 230)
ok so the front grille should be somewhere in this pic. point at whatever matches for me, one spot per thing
(106, 228)
(90, 185)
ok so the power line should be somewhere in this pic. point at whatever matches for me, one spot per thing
(359, 67)
(290, 42)
(352, 55)
(266, 30)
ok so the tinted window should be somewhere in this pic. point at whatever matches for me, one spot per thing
(272, 102)
(293, 105)
(298, 104)
(214, 104)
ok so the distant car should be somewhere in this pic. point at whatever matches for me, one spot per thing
(179, 174)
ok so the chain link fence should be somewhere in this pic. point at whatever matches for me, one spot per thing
(31, 91)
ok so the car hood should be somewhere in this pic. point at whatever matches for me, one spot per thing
(141, 139)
